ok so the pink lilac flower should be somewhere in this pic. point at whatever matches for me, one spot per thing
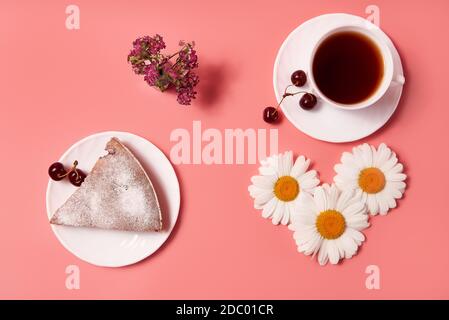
(151, 74)
(137, 48)
(139, 68)
(186, 87)
(167, 68)
(158, 69)
(191, 79)
(188, 57)
(156, 44)
(185, 95)
(150, 45)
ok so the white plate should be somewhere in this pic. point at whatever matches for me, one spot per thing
(325, 122)
(111, 248)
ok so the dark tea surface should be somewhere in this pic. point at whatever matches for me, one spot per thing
(348, 67)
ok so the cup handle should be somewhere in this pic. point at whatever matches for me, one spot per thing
(398, 80)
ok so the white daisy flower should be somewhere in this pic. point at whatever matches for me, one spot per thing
(329, 223)
(278, 187)
(373, 174)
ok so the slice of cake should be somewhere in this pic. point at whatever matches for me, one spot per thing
(117, 194)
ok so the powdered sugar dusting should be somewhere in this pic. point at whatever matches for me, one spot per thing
(133, 201)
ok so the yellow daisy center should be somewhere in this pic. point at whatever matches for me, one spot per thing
(371, 180)
(330, 224)
(286, 188)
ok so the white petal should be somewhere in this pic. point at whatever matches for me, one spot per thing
(255, 191)
(301, 165)
(322, 254)
(398, 168)
(356, 216)
(391, 202)
(303, 233)
(340, 181)
(268, 171)
(312, 245)
(292, 226)
(363, 197)
(285, 163)
(373, 206)
(270, 161)
(306, 219)
(390, 163)
(349, 244)
(367, 155)
(270, 164)
(394, 193)
(269, 208)
(346, 171)
(309, 184)
(356, 235)
(343, 200)
(374, 154)
(311, 174)
(293, 208)
(358, 222)
(343, 183)
(264, 182)
(308, 242)
(383, 203)
(340, 247)
(320, 199)
(333, 195)
(286, 218)
(354, 209)
(318, 244)
(395, 176)
(395, 185)
(358, 158)
(280, 165)
(278, 213)
(349, 160)
(332, 252)
(305, 204)
(288, 162)
(263, 198)
(383, 154)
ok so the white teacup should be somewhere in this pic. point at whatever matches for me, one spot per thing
(388, 69)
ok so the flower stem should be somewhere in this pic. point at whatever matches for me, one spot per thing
(174, 65)
(174, 54)
(169, 57)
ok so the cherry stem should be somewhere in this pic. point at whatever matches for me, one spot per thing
(288, 94)
(75, 163)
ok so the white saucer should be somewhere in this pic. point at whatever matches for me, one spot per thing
(110, 248)
(325, 122)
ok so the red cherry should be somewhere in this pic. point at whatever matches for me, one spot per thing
(76, 177)
(307, 101)
(299, 78)
(57, 171)
(270, 114)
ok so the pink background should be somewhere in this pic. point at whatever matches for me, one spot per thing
(58, 86)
